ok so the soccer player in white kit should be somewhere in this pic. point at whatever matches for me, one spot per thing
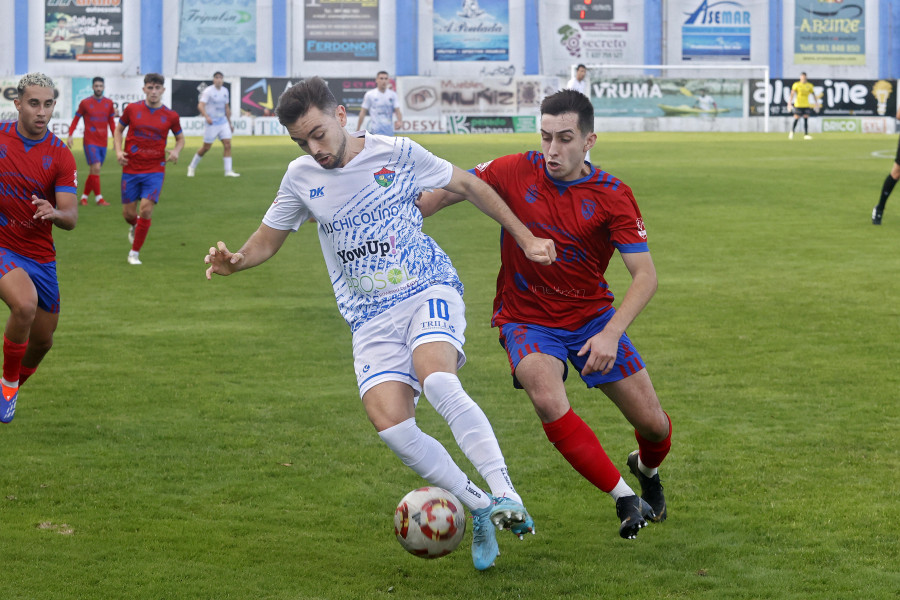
(381, 104)
(215, 106)
(396, 289)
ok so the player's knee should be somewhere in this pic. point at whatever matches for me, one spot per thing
(444, 392)
(23, 308)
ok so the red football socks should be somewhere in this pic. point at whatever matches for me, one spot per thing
(12, 359)
(653, 453)
(140, 233)
(579, 445)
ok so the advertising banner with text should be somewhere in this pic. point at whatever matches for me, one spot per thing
(340, 30)
(83, 30)
(223, 31)
(471, 30)
(839, 97)
(657, 97)
(829, 32)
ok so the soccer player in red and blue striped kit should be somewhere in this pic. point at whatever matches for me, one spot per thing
(144, 156)
(37, 191)
(98, 113)
(550, 316)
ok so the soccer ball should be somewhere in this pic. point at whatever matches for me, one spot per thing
(429, 522)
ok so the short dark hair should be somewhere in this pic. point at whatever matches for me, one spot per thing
(300, 97)
(581, 67)
(803, 73)
(380, 72)
(96, 79)
(154, 78)
(218, 73)
(570, 101)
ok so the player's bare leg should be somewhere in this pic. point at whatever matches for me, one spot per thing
(541, 375)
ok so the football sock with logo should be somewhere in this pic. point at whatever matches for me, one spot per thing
(12, 360)
(886, 189)
(25, 373)
(431, 461)
(579, 445)
(651, 454)
(227, 161)
(140, 233)
(195, 161)
(471, 430)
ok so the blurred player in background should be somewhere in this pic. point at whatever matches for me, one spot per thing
(550, 315)
(381, 104)
(889, 182)
(98, 113)
(579, 83)
(802, 90)
(144, 156)
(37, 191)
(215, 106)
(396, 289)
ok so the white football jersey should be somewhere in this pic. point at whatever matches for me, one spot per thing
(369, 226)
(216, 100)
(380, 106)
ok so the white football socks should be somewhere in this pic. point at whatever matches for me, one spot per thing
(195, 161)
(427, 457)
(472, 431)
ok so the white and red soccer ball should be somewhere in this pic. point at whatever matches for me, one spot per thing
(429, 522)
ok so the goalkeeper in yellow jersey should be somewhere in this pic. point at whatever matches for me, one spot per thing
(801, 93)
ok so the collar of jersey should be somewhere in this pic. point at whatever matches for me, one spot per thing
(562, 186)
(28, 142)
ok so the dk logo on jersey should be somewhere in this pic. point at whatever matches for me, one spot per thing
(384, 178)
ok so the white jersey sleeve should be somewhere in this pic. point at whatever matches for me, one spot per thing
(288, 212)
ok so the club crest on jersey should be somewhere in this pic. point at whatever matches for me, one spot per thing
(588, 207)
(531, 194)
(384, 177)
(642, 231)
(47, 161)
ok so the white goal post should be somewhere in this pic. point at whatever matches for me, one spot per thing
(720, 69)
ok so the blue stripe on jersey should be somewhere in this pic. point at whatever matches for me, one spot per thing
(632, 248)
(7, 126)
(608, 180)
(66, 188)
(411, 376)
(535, 157)
(437, 333)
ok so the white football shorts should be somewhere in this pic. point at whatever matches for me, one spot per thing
(383, 347)
(221, 131)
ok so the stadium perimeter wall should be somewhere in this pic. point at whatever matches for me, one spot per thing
(278, 41)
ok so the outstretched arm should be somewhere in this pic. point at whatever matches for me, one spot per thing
(433, 201)
(483, 196)
(604, 346)
(261, 246)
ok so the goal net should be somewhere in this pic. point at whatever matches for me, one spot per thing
(717, 97)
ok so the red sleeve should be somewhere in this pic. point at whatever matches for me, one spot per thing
(112, 117)
(626, 226)
(175, 124)
(66, 173)
(497, 173)
(77, 117)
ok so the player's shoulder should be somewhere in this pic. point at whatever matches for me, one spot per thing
(607, 184)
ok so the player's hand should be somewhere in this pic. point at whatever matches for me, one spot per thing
(172, 156)
(221, 260)
(602, 349)
(209, 120)
(69, 142)
(122, 158)
(540, 250)
(43, 209)
(790, 107)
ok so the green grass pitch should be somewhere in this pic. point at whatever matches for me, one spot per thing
(187, 439)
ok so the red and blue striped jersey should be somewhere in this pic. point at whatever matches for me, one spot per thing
(39, 167)
(588, 220)
(98, 114)
(148, 129)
